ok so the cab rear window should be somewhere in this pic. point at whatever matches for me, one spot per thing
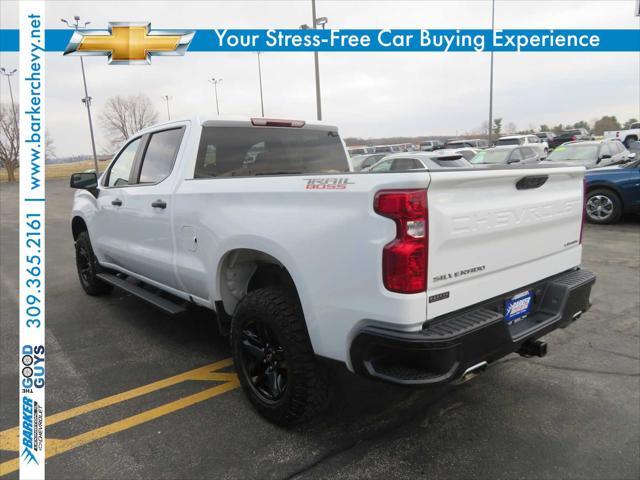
(253, 151)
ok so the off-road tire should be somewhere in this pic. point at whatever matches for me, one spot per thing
(307, 388)
(87, 272)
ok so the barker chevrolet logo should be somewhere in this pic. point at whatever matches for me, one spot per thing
(129, 43)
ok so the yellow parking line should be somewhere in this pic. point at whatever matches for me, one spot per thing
(55, 446)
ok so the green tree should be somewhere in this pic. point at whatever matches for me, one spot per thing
(497, 126)
(581, 124)
(606, 123)
(558, 128)
(544, 127)
(627, 124)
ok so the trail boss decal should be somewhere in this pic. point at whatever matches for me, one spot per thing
(340, 183)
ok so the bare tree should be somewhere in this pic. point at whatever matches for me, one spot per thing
(124, 116)
(511, 128)
(9, 141)
(49, 147)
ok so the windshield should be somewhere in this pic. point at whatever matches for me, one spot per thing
(508, 141)
(250, 151)
(491, 156)
(575, 152)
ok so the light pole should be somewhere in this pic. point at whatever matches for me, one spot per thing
(493, 12)
(87, 99)
(166, 98)
(215, 82)
(260, 79)
(317, 21)
(4, 72)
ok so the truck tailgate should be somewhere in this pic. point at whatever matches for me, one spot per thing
(496, 230)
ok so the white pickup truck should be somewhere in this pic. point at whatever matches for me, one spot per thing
(418, 278)
(625, 136)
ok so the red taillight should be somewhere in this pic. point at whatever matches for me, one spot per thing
(574, 138)
(584, 206)
(404, 260)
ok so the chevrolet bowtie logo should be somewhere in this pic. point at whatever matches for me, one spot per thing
(129, 43)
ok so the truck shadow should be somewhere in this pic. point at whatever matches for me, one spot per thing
(357, 405)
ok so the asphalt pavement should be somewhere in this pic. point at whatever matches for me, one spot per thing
(127, 399)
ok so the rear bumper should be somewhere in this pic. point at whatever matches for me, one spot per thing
(448, 346)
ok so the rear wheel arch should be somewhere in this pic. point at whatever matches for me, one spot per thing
(244, 270)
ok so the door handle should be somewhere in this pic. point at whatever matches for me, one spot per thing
(117, 202)
(159, 204)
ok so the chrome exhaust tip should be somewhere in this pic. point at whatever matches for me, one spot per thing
(472, 372)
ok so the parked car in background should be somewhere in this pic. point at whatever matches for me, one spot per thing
(612, 191)
(387, 149)
(430, 145)
(591, 154)
(626, 136)
(546, 136)
(359, 162)
(408, 147)
(571, 136)
(467, 153)
(506, 155)
(467, 142)
(541, 146)
(359, 150)
(402, 162)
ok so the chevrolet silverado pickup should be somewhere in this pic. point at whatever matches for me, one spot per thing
(419, 278)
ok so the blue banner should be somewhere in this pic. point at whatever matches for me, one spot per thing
(416, 40)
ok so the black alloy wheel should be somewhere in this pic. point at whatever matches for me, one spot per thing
(264, 361)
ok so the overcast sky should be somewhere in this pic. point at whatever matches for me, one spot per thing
(365, 94)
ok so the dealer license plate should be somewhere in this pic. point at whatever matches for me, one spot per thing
(518, 306)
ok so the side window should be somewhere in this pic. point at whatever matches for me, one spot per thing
(605, 149)
(383, 166)
(404, 164)
(516, 155)
(370, 161)
(528, 152)
(466, 154)
(160, 155)
(121, 168)
(533, 139)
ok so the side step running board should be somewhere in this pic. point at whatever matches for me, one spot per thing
(163, 304)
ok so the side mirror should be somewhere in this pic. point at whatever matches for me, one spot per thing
(84, 181)
(632, 156)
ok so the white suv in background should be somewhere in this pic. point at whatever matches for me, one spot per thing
(532, 141)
